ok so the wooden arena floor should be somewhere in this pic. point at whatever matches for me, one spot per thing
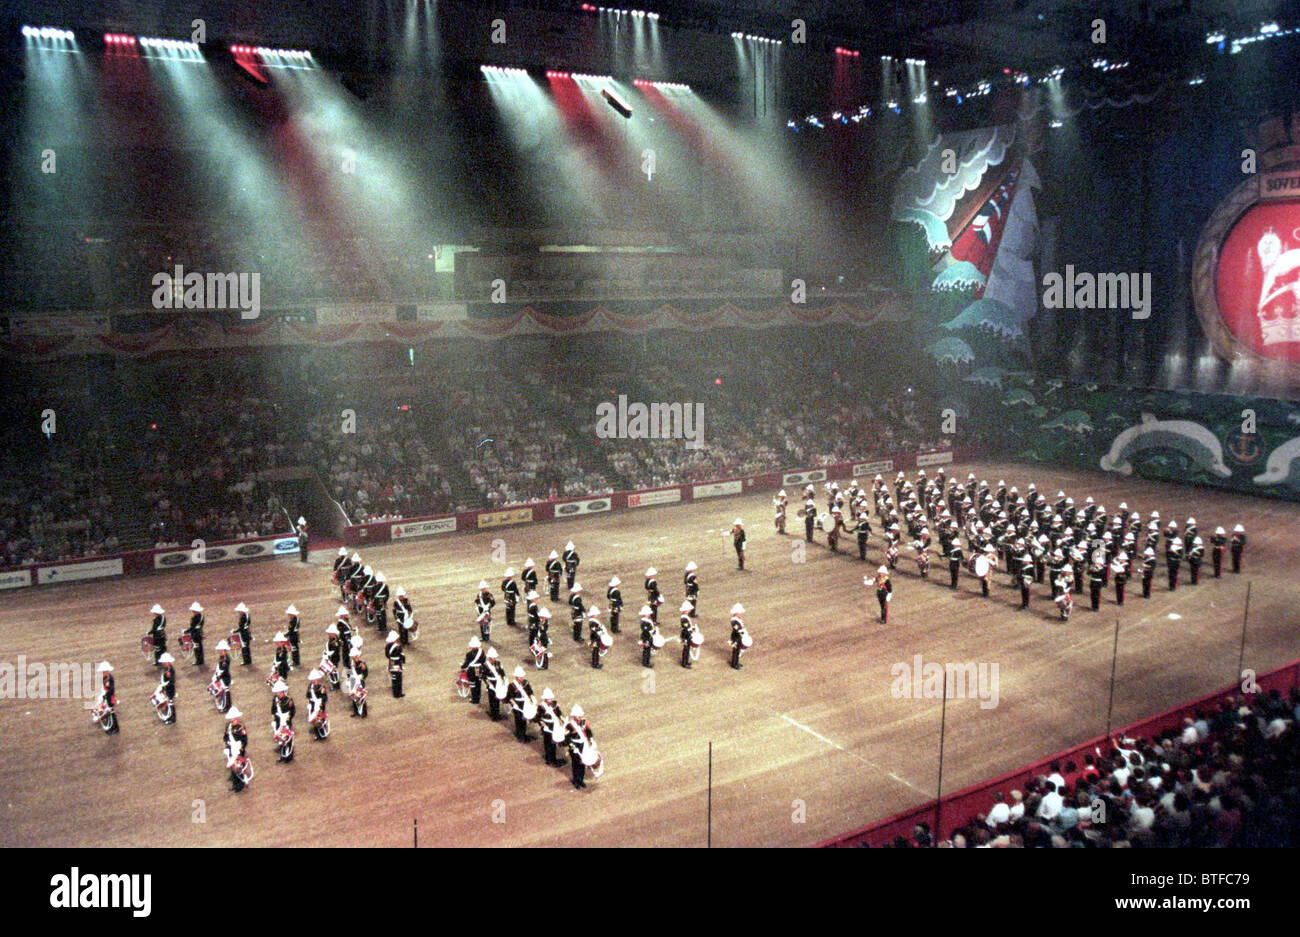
(807, 740)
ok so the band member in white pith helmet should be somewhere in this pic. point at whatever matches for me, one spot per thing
(654, 598)
(292, 631)
(740, 639)
(691, 581)
(166, 692)
(649, 630)
(579, 737)
(317, 697)
(396, 662)
(495, 678)
(484, 602)
(615, 599)
(690, 634)
(570, 564)
(471, 670)
(221, 679)
(598, 638)
(235, 741)
(244, 628)
(195, 632)
(529, 576)
(553, 569)
(404, 617)
(510, 595)
(523, 706)
(884, 590)
(157, 633)
(283, 709)
(331, 659)
(357, 689)
(552, 722)
(540, 639)
(106, 707)
(578, 610)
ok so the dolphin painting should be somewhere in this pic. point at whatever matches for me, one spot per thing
(1191, 439)
(1283, 466)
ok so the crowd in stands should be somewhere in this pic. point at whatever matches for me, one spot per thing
(195, 447)
(1229, 776)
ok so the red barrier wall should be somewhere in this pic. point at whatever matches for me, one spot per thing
(960, 807)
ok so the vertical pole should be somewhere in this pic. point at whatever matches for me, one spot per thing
(943, 730)
(709, 840)
(416, 831)
(1241, 657)
(1114, 659)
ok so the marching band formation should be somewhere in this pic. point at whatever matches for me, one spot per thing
(1036, 539)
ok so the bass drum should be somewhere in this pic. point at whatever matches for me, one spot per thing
(746, 641)
(530, 709)
(606, 641)
(597, 767)
(981, 566)
(462, 684)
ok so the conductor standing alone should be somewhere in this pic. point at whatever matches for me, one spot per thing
(738, 541)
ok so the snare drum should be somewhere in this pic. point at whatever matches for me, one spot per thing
(326, 666)
(146, 646)
(236, 642)
(159, 699)
(216, 687)
(462, 684)
(187, 642)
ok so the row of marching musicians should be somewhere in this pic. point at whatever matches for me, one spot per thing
(483, 666)
(599, 637)
(365, 591)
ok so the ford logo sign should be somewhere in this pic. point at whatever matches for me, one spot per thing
(174, 559)
(598, 505)
(249, 549)
(289, 543)
(215, 553)
(568, 509)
